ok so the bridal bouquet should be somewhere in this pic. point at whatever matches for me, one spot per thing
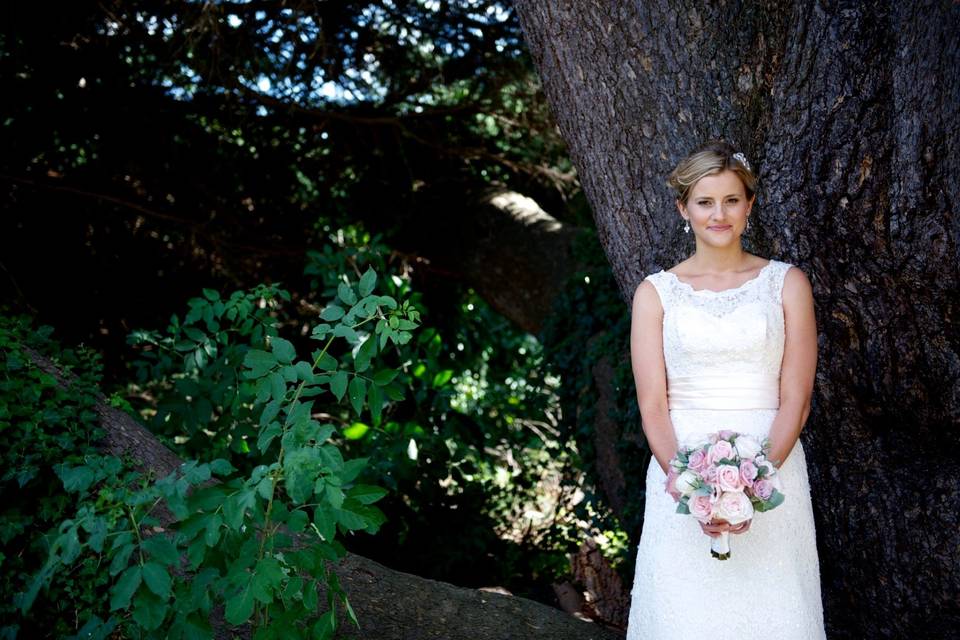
(725, 476)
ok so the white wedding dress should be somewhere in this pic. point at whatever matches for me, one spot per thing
(723, 351)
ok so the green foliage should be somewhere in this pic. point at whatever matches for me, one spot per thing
(45, 429)
(474, 448)
(589, 329)
(258, 542)
(203, 407)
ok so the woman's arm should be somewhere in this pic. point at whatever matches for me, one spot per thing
(649, 373)
(799, 365)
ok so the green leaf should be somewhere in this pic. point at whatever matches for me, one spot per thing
(270, 411)
(122, 591)
(278, 387)
(349, 519)
(310, 599)
(260, 362)
(334, 496)
(283, 350)
(361, 361)
(375, 401)
(355, 431)
(345, 293)
(267, 435)
(300, 470)
(240, 607)
(326, 521)
(350, 612)
(347, 332)
(149, 611)
(212, 534)
(325, 626)
(352, 468)
(120, 559)
(338, 384)
(76, 479)
(221, 467)
(304, 371)
(157, 579)
(368, 281)
(357, 390)
(266, 577)
(326, 362)
(384, 376)
(160, 548)
(366, 493)
(332, 313)
(297, 521)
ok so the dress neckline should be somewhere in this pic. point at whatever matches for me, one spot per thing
(711, 291)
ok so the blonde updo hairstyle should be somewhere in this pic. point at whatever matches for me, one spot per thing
(709, 159)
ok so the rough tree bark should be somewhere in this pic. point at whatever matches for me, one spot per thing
(390, 605)
(850, 111)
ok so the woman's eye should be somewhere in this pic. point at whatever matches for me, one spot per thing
(733, 200)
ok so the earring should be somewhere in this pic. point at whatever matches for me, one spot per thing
(748, 224)
(686, 226)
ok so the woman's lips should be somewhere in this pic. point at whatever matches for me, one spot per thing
(719, 227)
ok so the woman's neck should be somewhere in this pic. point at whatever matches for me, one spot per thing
(718, 260)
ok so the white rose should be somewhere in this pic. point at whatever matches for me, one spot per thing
(734, 507)
(686, 482)
(747, 446)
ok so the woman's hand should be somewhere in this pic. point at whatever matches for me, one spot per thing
(715, 528)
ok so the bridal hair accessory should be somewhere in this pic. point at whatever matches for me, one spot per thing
(742, 159)
(726, 476)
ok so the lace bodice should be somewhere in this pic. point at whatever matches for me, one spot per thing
(723, 333)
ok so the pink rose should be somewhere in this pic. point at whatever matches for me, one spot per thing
(763, 489)
(734, 507)
(748, 472)
(709, 474)
(728, 477)
(722, 449)
(701, 507)
(697, 460)
(726, 434)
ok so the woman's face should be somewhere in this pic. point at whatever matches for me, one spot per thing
(717, 208)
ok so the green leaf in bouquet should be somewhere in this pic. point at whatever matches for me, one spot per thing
(776, 499)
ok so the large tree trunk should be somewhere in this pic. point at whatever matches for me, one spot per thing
(390, 605)
(850, 110)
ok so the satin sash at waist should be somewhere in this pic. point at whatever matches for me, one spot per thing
(733, 391)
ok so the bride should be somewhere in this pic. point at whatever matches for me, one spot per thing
(724, 340)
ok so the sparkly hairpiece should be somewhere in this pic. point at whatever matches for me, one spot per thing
(742, 159)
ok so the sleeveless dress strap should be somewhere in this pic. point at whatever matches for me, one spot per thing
(777, 277)
(662, 284)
